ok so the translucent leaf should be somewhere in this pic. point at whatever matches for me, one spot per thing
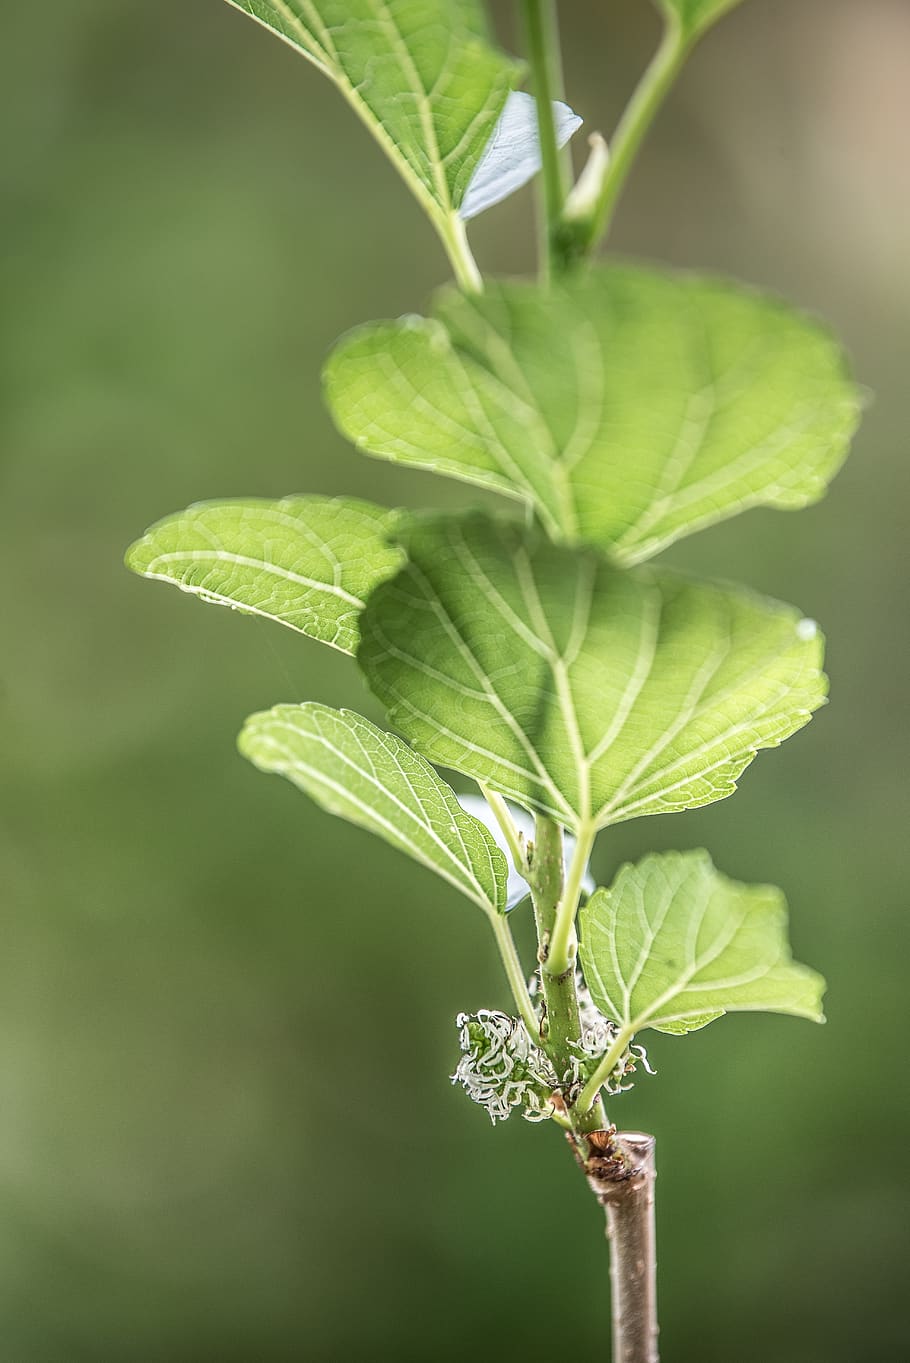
(629, 408)
(512, 155)
(589, 692)
(675, 944)
(423, 77)
(307, 562)
(695, 16)
(372, 779)
(517, 888)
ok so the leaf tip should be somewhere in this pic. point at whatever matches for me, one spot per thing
(251, 729)
(136, 557)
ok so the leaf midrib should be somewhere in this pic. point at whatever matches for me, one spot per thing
(244, 561)
(724, 939)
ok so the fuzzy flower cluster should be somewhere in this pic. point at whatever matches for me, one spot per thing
(597, 1036)
(501, 1068)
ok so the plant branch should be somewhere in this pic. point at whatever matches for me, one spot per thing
(502, 931)
(622, 1180)
(562, 939)
(541, 31)
(640, 113)
(563, 1025)
(454, 238)
(562, 1022)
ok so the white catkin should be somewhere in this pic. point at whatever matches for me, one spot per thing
(503, 1069)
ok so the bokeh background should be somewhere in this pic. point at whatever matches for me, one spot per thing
(226, 1020)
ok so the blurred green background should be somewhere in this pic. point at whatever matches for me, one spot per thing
(226, 1020)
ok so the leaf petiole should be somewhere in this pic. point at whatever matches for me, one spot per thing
(502, 931)
(454, 237)
(588, 1095)
(561, 953)
(640, 112)
(510, 832)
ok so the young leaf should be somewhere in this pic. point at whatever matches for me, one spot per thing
(372, 779)
(695, 16)
(675, 944)
(629, 407)
(306, 562)
(589, 692)
(422, 77)
(512, 154)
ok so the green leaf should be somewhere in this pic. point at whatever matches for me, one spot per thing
(512, 156)
(423, 77)
(307, 562)
(675, 944)
(589, 692)
(629, 408)
(695, 16)
(372, 779)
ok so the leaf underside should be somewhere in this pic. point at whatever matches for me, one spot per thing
(369, 777)
(629, 408)
(590, 693)
(305, 562)
(512, 155)
(423, 77)
(675, 944)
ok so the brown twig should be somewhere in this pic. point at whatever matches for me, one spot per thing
(620, 1172)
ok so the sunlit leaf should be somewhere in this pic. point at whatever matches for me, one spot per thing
(372, 779)
(589, 692)
(675, 944)
(306, 562)
(423, 77)
(628, 408)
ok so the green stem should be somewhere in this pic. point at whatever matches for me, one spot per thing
(541, 31)
(640, 113)
(515, 974)
(562, 939)
(454, 238)
(563, 1024)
